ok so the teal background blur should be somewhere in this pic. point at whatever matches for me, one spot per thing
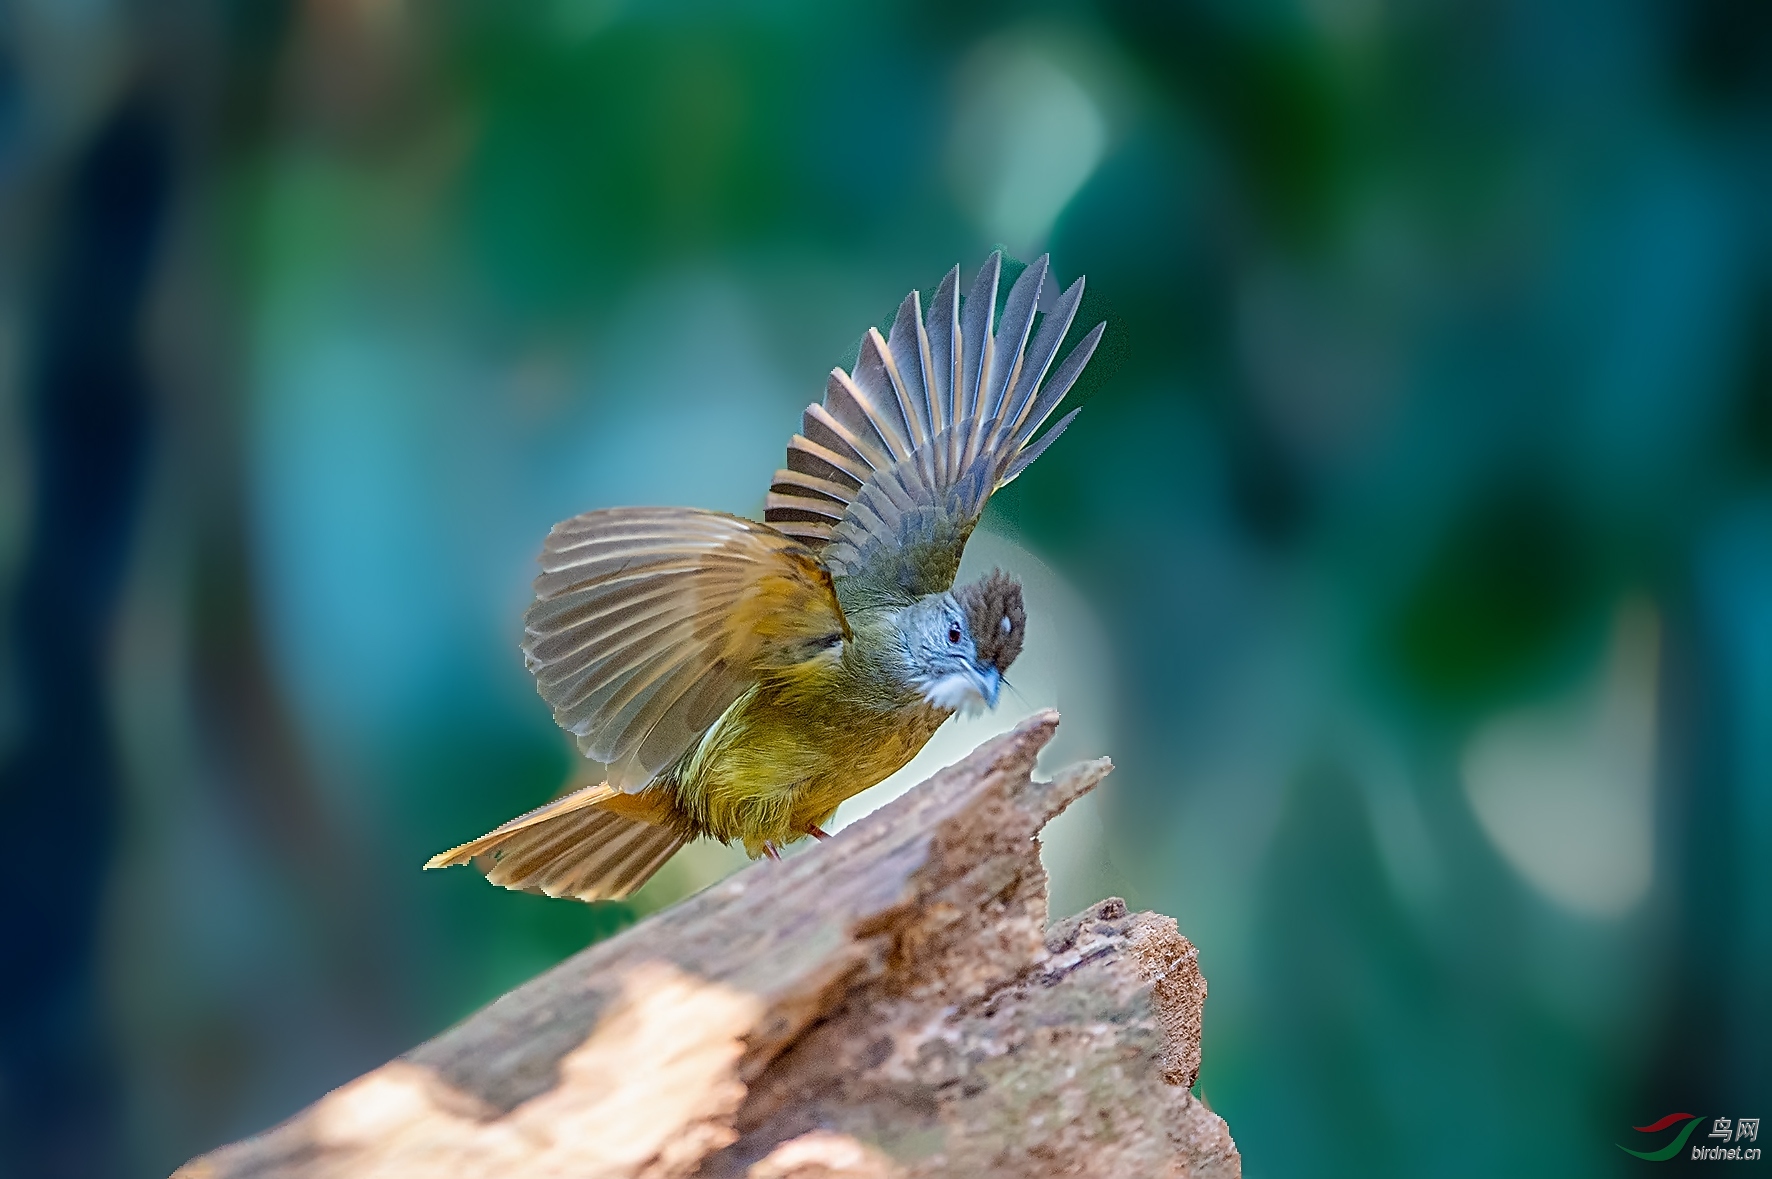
(1422, 503)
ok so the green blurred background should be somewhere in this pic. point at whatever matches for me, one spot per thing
(1412, 556)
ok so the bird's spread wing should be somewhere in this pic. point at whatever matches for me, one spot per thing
(892, 472)
(649, 622)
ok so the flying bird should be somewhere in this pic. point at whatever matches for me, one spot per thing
(739, 680)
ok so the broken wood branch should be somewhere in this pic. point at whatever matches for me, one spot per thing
(891, 1003)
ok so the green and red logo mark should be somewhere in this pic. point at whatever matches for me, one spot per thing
(1725, 1129)
(1660, 1124)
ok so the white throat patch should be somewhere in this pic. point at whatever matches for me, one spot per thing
(955, 692)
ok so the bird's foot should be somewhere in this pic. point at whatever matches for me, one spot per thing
(769, 850)
(819, 833)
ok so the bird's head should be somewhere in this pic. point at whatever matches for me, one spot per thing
(961, 642)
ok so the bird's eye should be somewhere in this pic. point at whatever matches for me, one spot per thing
(953, 634)
(1006, 625)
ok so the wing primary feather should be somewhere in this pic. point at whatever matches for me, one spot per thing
(1027, 457)
(904, 352)
(611, 521)
(781, 509)
(582, 605)
(851, 405)
(820, 428)
(589, 696)
(624, 709)
(926, 360)
(826, 425)
(1012, 338)
(944, 355)
(581, 685)
(565, 549)
(977, 345)
(618, 571)
(791, 482)
(617, 579)
(621, 567)
(550, 617)
(1053, 391)
(978, 314)
(556, 627)
(571, 665)
(813, 533)
(658, 731)
(875, 378)
(1038, 357)
(813, 458)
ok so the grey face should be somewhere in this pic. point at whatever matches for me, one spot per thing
(951, 664)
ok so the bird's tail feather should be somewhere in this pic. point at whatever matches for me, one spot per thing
(573, 847)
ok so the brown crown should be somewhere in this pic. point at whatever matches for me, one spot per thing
(988, 602)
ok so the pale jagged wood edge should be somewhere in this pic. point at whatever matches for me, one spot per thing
(889, 1004)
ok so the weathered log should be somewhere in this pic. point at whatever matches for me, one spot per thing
(891, 1003)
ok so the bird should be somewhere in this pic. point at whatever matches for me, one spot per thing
(737, 679)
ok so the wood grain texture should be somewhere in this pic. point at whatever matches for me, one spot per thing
(892, 1003)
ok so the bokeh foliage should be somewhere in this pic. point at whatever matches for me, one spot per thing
(1440, 349)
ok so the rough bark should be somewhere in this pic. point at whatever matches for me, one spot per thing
(889, 1004)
